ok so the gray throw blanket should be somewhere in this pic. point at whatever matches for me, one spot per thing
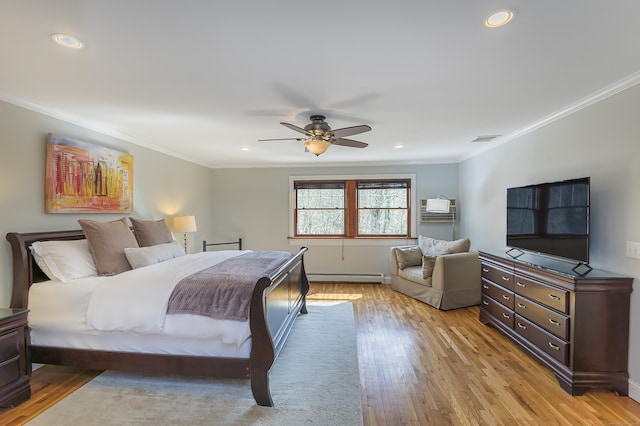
(224, 291)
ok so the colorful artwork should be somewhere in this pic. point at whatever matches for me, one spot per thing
(86, 178)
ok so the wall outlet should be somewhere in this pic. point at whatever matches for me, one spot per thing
(633, 250)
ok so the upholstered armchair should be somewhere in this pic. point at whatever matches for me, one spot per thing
(446, 277)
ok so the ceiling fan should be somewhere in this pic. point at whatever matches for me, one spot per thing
(319, 136)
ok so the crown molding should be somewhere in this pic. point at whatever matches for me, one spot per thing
(68, 118)
(593, 98)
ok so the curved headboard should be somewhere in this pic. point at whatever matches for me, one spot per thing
(25, 270)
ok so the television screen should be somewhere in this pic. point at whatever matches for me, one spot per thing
(550, 218)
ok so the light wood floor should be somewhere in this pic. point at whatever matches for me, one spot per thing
(419, 366)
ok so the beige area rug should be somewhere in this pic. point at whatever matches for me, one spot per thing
(315, 381)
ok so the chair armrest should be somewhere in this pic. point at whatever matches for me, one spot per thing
(456, 271)
(394, 261)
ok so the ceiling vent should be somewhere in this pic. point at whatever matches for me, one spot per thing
(485, 138)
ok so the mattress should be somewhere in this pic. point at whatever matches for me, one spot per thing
(126, 313)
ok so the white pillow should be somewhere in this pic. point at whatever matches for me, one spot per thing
(64, 260)
(144, 256)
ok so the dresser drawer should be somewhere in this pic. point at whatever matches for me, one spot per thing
(9, 371)
(503, 314)
(552, 321)
(550, 296)
(498, 275)
(553, 346)
(9, 345)
(498, 293)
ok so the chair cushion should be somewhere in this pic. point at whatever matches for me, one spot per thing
(408, 256)
(433, 247)
(414, 274)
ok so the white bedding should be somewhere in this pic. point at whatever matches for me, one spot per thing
(131, 303)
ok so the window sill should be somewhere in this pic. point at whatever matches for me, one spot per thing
(362, 241)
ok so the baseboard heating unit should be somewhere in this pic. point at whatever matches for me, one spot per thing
(320, 277)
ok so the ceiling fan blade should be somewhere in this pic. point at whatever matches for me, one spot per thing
(281, 139)
(348, 131)
(296, 128)
(349, 142)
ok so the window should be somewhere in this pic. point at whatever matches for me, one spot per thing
(320, 208)
(352, 208)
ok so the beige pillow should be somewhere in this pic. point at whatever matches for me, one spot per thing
(408, 256)
(433, 247)
(151, 232)
(459, 246)
(107, 241)
(428, 263)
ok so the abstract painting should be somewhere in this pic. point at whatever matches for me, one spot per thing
(86, 178)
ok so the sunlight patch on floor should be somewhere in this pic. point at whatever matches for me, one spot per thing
(333, 296)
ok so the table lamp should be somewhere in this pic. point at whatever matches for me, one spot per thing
(184, 224)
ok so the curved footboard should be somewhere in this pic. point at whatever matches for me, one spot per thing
(277, 300)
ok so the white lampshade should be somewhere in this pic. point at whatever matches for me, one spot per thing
(438, 205)
(184, 224)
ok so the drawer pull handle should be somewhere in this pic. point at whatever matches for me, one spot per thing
(520, 284)
(520, 305)
(505, 297)
(506, 316)
(524, 327)
(556, 347)
(485, 270)
(554, 297)
(486, 287)
(505, 278)
(484, 302)
(554, 322)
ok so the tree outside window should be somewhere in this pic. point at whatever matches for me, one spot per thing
(352, 208)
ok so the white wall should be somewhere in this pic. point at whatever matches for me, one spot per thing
(254, 204)
(601, 141)
(163, 186)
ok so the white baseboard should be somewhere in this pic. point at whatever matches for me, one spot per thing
(323, 277)
(634, 390)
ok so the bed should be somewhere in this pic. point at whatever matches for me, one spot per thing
(275, 302)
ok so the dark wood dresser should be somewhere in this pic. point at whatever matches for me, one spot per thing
(15, 367)
(576, 324)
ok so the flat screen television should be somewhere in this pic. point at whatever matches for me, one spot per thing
(550, 218)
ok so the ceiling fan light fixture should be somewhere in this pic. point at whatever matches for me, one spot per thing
(319, 136)
(499, 18)
(317, 146)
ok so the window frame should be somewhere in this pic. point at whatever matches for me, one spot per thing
(351, 231)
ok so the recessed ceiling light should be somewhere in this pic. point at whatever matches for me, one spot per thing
(398, 146)
(67, 41)
(499, 18)
(244, 148)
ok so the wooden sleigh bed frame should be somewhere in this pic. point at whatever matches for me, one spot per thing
(275, 304)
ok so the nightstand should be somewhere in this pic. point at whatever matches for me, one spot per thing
(15, 365)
